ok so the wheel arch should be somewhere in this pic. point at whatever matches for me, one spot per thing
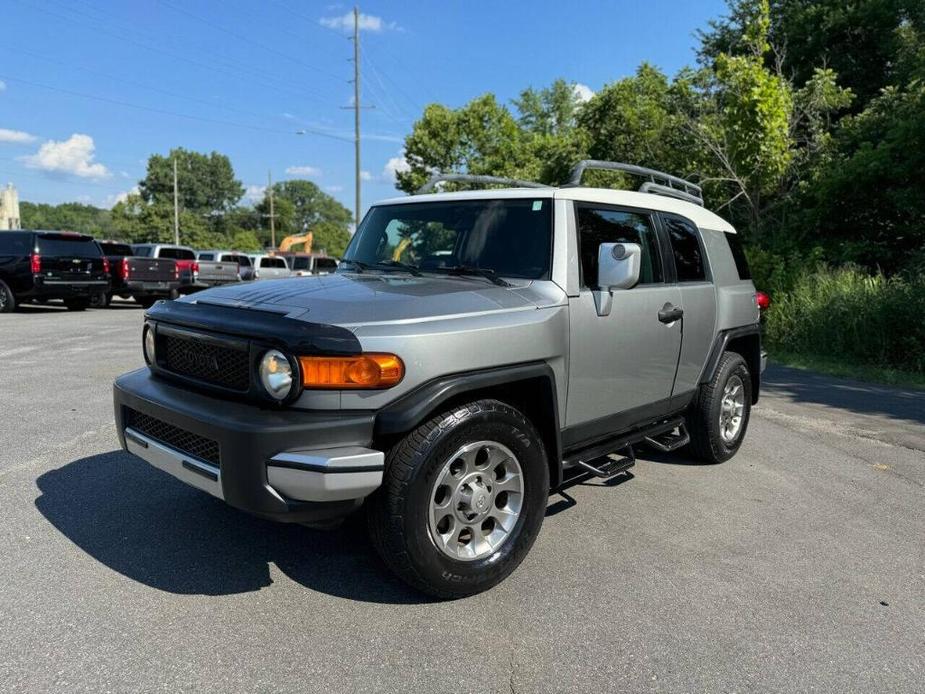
(530, 387)
(745, 341)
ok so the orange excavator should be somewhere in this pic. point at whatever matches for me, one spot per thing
(287, 243)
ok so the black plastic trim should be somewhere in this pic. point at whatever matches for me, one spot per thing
(410, 410)
(328, 470)
(249, 436)
(272, 329)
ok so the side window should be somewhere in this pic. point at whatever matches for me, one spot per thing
(738, 255)
(685, 245)
(14, 243)
(280, 263)
(597, 225)
(265, 262)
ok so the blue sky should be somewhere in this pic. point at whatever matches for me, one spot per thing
(89, 90)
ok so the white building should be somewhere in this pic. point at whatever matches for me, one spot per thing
(9, 208)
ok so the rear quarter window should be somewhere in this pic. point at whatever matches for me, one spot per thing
(15, 243)
(685, 246)
(738, 254)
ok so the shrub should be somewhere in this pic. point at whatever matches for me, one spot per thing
(849, 314)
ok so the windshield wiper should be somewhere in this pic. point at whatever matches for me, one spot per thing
(358, 264)
(485, 272)
(396, 265)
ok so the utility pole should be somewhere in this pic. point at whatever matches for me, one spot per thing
(176, 205)
(272, 215)
(356, 108)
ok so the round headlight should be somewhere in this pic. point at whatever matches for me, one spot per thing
(148, 344)
(276, 375)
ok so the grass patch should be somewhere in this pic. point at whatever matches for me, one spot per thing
(843, 369)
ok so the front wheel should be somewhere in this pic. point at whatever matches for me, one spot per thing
(719, 414)
(462, 500)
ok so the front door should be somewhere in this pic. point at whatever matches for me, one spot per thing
(622, 365)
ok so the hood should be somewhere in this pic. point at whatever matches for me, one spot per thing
(351, 299)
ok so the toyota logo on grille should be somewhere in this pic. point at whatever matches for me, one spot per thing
(204, 362)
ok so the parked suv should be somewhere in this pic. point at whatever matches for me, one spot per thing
(144, 279)
(305, 264)
(269, 267)
(43, 265)
(473, 351)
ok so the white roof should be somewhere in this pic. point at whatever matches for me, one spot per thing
(701, 216)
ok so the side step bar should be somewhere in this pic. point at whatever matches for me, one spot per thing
(669, 441)
(611, 467)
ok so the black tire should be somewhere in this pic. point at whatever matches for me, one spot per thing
(146, 301)
(101, 300)
(174, 294)
(7, 299)
(707, 440)
(81, 304)
(398, 512)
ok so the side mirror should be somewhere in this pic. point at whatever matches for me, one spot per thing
(618, 265)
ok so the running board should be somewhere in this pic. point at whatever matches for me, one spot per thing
(612, 467)
(669, 441)
(618, 443)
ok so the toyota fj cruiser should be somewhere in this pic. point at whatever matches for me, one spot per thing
(473, 352)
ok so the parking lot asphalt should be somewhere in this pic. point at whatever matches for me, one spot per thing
(797, 566)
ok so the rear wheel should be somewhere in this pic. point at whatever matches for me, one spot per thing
(101, 300)
(462, 500)
(79, 304)
(174, 294)
(7, 300)
(719, 415)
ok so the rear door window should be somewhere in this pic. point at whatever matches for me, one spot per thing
(686, 248)
(71, 246)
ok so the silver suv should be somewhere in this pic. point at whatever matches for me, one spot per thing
(473, 352)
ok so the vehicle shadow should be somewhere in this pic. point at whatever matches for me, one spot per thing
(153, 529)
(844, 394)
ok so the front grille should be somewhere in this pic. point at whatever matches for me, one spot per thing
(222, 366)
(184, 441)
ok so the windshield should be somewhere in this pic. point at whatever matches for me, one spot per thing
(509, 237)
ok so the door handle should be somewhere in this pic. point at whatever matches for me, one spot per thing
(670, 313)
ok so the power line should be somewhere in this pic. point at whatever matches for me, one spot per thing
(246, 39)
(161, 111)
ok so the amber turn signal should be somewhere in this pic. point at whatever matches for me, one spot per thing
(363, 371)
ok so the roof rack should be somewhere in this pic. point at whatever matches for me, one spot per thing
(472, 178)
(659, 182)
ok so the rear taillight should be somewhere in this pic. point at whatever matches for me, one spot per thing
(125, 270)
(763, 301)
(106, 265)
(36, 262)
(176, 271)
(195, 267)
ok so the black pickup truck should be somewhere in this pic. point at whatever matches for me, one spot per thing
(144, 279)
(37, 266)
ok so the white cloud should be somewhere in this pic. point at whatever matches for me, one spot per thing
(304, 171)
(112, 200)
(2, 86)
(334, 189)
(255, 193)
(366, 176)
(15, 135)
(368, 22)
(583, 92)
(72, 156)
(394, 166)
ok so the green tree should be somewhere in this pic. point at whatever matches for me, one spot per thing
(70, 216)
(205, 182)
(301, 205)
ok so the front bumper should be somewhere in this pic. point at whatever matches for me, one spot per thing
(285, 465)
